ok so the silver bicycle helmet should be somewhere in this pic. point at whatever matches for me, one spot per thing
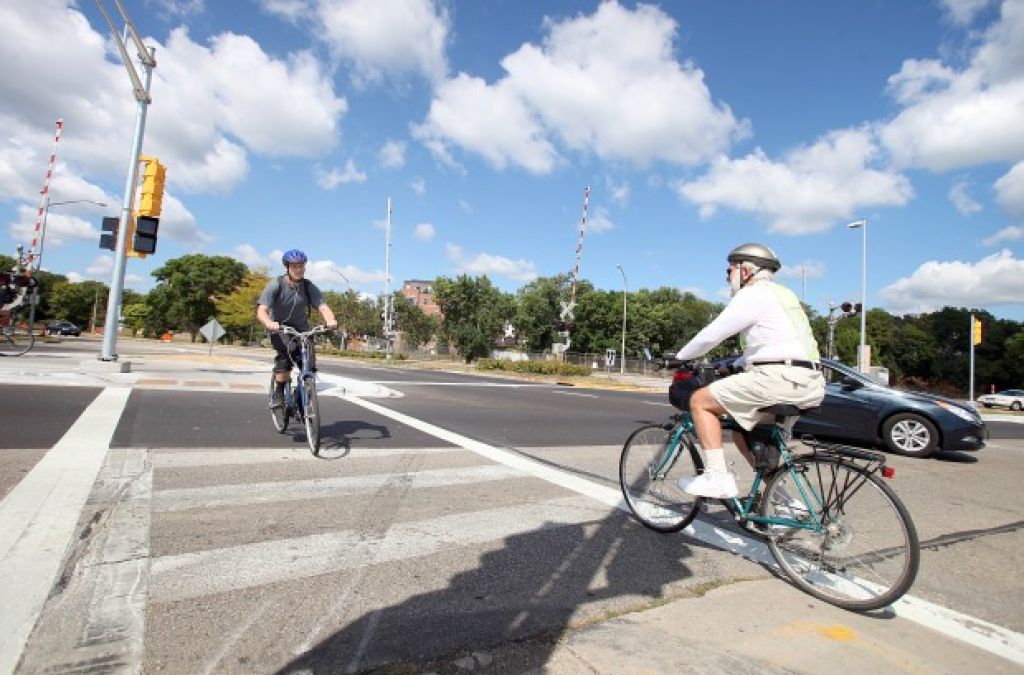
(759, 254)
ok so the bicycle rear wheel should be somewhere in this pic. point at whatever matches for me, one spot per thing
(648, 471)
(15, 335)
(279, 415)
(866, 553)
(311, 415)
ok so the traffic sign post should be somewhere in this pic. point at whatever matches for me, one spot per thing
(212, 331)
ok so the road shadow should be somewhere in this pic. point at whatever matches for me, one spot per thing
(336, 438)
(524, 595)
(955, 457)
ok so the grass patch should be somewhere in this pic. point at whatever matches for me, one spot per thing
(534, 367)
(353, 354)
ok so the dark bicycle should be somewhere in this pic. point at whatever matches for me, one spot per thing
(300, 400)
(835, 528)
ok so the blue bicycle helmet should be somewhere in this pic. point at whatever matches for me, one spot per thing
(293, 256)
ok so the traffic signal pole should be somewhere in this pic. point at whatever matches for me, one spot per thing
(142, 98)
(109, 352)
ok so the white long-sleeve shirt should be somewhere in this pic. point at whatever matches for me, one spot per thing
(773, 324)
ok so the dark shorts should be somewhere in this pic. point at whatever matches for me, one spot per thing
(283, 345)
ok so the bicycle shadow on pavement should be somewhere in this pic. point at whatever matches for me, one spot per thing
(336, 438)
(506, 614)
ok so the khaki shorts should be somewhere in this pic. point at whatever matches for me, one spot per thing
(761, 386)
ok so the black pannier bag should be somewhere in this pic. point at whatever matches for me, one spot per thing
(685, 382)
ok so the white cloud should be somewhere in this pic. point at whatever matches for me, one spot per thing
(962, 12)
(424, 232)
(600, 221)
(325, 274)
(252, 258)
(392, 155)
(963, 118)
(179, 8)
(963, 202)
(810, 269)
(60, 227)
(292, 10)
(419, 186)
(489, 120)
(618, 193)
(213, 103)
(384, 38)
(1010, 190)
(1011, 233)
(102, 266)
(491, 265)
(993, 280)
(808, 190)
(558, 91)
(75, 277)
(329, 180)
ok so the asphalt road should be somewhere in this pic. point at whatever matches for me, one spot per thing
(417, 534)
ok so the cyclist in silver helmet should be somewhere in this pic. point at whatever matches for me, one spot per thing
(780, 362)
(287, 301)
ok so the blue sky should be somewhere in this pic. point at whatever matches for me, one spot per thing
(697, 126)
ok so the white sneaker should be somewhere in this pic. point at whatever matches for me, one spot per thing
(712, 484)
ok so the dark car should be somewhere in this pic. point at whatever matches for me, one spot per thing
(62, 328)
(859, 409)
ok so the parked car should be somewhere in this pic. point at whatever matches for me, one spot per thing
(1008, 398)
(62, 328)
(859, 409)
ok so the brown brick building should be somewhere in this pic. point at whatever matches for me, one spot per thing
(421, 293)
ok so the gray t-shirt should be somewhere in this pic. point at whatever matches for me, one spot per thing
(290, 308)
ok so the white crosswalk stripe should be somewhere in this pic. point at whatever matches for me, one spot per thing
(318, 488)
(191, 575)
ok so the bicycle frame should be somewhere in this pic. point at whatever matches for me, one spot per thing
(305, 350)
(744, 508)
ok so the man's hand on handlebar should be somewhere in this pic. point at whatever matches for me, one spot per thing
(273, 326)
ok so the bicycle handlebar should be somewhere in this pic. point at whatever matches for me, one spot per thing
(315, 330)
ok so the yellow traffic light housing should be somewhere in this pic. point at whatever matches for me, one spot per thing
(152, 194)
(976, 337)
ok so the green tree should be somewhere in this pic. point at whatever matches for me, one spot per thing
(474, 313)
(133, 316)
(538, 309)
(183, 296)
(75, 302)
(356, 315)
(417, 327)
(236, 310)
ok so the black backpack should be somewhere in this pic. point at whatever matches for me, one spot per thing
(304, 290)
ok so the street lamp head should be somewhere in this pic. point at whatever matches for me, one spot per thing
(858, 223)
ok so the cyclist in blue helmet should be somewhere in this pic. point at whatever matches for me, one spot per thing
(287, 301)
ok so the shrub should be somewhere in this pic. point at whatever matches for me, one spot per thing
(534, 367)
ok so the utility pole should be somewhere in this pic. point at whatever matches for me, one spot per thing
(388, 318)
(143, 99)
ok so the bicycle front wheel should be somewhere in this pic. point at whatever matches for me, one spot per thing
(865, 553)
(648, 471)
(15, 335)
(279, 415)
(311, 414)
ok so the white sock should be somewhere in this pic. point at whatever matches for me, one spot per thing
(715, 460)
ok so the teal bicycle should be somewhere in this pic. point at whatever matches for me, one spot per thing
(830, 521)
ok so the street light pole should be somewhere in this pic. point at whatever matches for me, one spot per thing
(862, 361)
(622, 363)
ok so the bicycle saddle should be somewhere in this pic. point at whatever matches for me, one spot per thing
(786, 410)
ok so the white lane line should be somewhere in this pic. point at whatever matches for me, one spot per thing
(192, 575)
(321, 488)
(38, 518)
(986, 636)
(179, 458)
(508, 385)
(576, 393)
